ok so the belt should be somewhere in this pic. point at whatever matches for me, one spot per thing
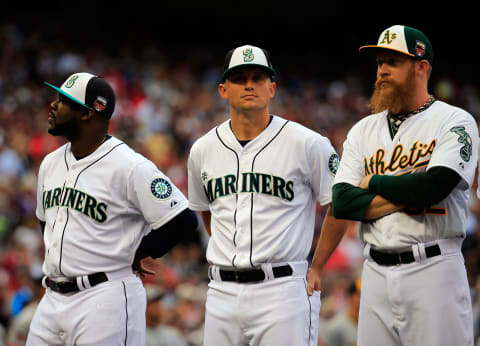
(71, 286)
(253, 275)
(391, 259)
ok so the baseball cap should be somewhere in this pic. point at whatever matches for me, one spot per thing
(406, 40)
(89, 91)
(247, 55)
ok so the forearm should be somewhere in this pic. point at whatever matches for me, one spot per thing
(331, 234)
(380, 207)
(416, 189)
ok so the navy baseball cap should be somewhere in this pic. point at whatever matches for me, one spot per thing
(247, 55)
(89, 91)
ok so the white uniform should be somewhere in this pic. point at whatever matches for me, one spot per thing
(262, 200)
(426, 302)
(96, 211)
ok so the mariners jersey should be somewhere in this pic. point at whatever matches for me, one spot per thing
(261, 196)
(97, 209)
(441, 135)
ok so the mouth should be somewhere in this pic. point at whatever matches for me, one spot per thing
(249, 96)
(51, 117)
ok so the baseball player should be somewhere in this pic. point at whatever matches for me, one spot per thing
(406, 174)
(256, 179)
(97, 201)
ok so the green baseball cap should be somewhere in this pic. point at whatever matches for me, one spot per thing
(406, 40)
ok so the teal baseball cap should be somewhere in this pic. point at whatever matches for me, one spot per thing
(88, 90)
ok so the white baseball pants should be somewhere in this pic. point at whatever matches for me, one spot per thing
(426, 302)
(111, 313)
(273, 312)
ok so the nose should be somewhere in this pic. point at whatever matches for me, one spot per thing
(53, 104)
(383, 70)
(249, 84)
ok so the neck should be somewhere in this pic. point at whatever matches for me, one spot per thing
(419, 101)
(247, 126)
(85, 145)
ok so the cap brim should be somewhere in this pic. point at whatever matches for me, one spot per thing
(66, 95)
(266, 68)
(387, 48)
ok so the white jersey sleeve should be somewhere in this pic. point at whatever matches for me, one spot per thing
(323, 162)
(457, 147)
(154, 195)
(350, 169)
(40, 210)
(196, 194)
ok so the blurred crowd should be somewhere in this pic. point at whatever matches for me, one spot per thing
(163, 105)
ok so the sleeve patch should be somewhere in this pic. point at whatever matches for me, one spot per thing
(333, 163)
(465, 139)
(161, 188)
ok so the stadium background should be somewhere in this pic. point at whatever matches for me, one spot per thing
(164, 61)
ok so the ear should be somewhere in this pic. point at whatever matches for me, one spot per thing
(273, 89)
(87, 114)
(423, 66)
(222, 90)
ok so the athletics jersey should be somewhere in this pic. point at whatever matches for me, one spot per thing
(97, 209)
(261, 196)
(442, 135)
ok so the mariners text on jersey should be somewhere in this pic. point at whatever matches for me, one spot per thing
(251, 182)
(75, 199)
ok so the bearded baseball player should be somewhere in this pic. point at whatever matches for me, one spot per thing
(101, 206)
(256, 179)
(406, 174)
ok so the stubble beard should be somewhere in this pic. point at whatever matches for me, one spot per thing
(393, 97)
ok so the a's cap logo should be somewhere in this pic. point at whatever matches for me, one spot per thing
(161, 188)
(420, 49)
(100, 104)
(71, 81)
(388, 37)
(248, 55)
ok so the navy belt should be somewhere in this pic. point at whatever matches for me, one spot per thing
(253, 275)
(392, 259)
(70, 286)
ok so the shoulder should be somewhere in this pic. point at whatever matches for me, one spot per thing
(208, 139)
(123, 157)
(300, 133)
(54, 156)
(451, 112)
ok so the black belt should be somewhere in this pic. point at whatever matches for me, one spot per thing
(253, 275)
(391, 259)
(70, 286)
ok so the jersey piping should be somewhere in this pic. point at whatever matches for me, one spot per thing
(67, 211)
(236, 196)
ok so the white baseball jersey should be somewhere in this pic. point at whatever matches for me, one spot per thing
(441, 135)
(261, 196)
(97, 209)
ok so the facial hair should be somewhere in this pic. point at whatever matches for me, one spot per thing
(392, 96)
(64, 129)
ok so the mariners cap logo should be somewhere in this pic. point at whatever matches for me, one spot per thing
(71, 81)
(248, 55)
(100, 104)
(161, 188)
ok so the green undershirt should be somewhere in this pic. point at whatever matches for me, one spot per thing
(415, 190)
